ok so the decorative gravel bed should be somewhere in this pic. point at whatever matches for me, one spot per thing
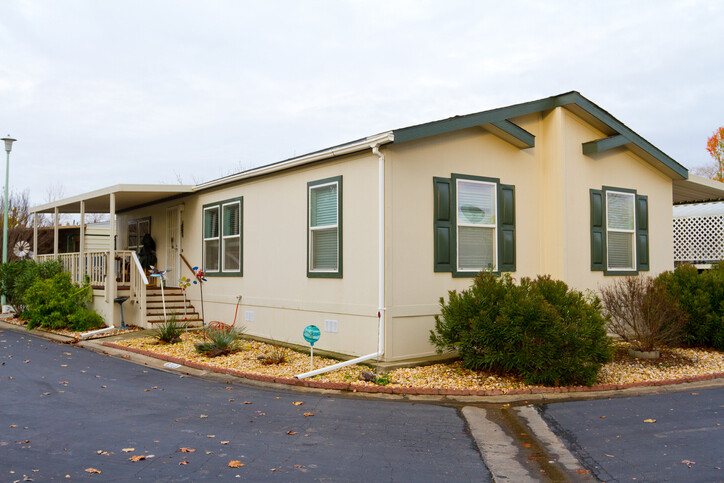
(71, 333)
(674, 364)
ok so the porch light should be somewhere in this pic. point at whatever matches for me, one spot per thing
(8, 147)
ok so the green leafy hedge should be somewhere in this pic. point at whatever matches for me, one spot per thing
(18, 276)
(539, 330)
(56, 303)
(701, 296)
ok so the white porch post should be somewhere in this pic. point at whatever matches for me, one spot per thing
(55, 233)
(35, 236)
(81, 265)
(111, 268)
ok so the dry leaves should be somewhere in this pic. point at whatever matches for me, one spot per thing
(128, 450)
(187, 450)
(291, 432)
(308, 414)
(298, 403)
(236, 464)
(184, 462)
(93, 471)
(649, 420)
(137, 457)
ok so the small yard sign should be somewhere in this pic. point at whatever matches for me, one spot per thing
(311, 334)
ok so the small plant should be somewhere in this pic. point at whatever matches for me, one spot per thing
(84, 320)
(276, 356)
(220, 342)
(169, 332)
(383, 379)
(643, 313)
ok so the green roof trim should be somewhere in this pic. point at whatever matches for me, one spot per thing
(604, 144)
(574, 102)
(512, 133)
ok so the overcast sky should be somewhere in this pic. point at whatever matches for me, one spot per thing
(153, 91)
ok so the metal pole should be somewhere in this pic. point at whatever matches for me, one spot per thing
(5, 218)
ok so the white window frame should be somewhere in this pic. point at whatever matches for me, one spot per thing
(632, 232)
(458, 224)
(311, 228)
(224, 237)
(216, 207)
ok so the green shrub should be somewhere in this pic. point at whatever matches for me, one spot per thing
(85, 319)
(539, 330)
(170, 331)
(18, 276)
(701, 297)
(220, 342)
(52, 302)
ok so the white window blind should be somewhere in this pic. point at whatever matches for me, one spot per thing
(323, 228)
(476, 225)
(620, 230)
(231, 237)
(211, 239)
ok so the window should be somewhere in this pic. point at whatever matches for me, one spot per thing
(136, 230)
(474, 225)
(619, 231)
(222, 238)
(324, 223)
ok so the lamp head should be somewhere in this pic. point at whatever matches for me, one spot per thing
(9, 143)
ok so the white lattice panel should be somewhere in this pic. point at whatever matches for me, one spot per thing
(699, 239)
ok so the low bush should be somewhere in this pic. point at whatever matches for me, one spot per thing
(18, 276)
(84, 319)
(701, 297)
(539, 330)
(56, 303)
(169, 332)
(221, 342)
(643, 313)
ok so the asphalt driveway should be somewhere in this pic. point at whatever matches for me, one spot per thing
(64, 410)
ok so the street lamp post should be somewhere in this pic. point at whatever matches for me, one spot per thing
(8, 147)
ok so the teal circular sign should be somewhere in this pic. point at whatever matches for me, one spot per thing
(311, 334)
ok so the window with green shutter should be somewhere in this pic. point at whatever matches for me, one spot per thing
(324, 228)
(474, 225)
(619, 231)
(222, 238)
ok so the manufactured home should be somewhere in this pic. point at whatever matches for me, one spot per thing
(362, 239)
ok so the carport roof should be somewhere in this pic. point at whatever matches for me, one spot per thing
(127, 196)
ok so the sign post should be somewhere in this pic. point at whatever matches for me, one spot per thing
(311, 335)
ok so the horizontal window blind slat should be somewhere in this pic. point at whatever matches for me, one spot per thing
(324, 249)
(475, 248)
(620, 250)
(324, 206)
(476, 203)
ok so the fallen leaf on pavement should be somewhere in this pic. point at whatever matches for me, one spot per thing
(202, 416)
(187, 450)
(610, 455)
(291, 432)
(224, 442)
(184, 462)
(229, 388)
(13, 425)
(582, 472)
(649, 420)
(128, 450)
(309, 414)
(247, 402)
(210, 435)
(137, 457)
(235, 464)
(92, 470)
(101, 452)
(298, 403)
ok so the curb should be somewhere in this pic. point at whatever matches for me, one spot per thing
(414, 391)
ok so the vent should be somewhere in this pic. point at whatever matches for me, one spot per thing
(330, 325)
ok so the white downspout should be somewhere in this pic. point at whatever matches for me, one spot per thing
(380, 276)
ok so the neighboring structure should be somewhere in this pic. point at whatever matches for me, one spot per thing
(362, 239)
(699, 234)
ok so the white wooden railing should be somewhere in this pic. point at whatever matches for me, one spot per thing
(138, 290)
(95, 266)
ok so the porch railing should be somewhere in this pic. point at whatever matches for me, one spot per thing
(95, 266)
(138, 289)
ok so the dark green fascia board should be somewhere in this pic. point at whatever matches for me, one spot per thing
(601, 145)
(573, 101)
(512, 133)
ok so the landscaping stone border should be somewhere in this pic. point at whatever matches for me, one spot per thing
(342, 386)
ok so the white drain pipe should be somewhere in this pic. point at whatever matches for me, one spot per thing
(381, 273)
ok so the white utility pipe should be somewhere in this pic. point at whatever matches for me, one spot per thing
(94, 332)
(381, 275)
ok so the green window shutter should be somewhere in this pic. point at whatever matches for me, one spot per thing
(506, 228)
(598, 238)
(443, 225)
(642, 232)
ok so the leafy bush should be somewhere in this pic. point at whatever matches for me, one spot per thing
(220, 342)
(17, 277)
(55, 303)
(701, 297)
(169, 331)
(84, 319)
(643, 313)
(539, 330)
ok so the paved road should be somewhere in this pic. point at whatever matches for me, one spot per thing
(682, 441)
(61, 405)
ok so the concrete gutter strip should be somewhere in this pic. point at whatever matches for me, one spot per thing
(553, 445)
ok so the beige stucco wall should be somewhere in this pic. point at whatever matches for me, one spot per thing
(552, 182)
(274, 284)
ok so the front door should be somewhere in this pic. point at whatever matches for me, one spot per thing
(173, 245)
